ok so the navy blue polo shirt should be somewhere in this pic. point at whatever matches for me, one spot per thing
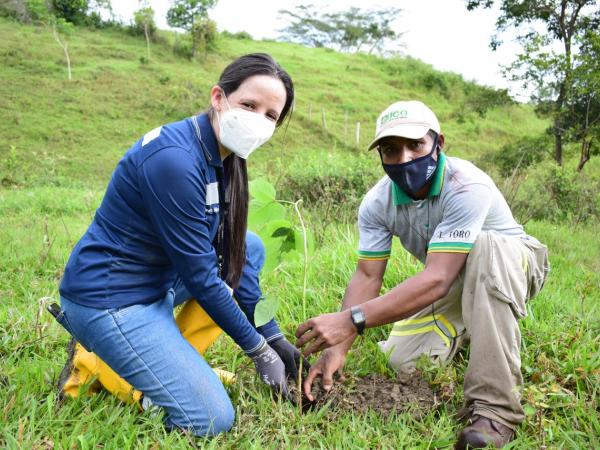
(158, 219)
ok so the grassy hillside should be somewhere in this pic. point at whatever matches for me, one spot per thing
(66, 132)
(61, 139)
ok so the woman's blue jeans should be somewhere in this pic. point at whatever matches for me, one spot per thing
(143, 344)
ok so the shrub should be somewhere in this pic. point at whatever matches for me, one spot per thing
(482, 98)
(204, 33)
(332, 184)
(73, 11)
(141, 18)
(183, 46)
(15, 9)
(521, 154)
(241, 35)
(556, 194)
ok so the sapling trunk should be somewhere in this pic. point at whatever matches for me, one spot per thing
(147, 40)
(65, 47)
(304, 282)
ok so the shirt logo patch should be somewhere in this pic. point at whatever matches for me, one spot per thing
(212, 194)
(151, 135)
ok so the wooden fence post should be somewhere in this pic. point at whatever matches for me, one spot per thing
(346, 128)
(357, 133)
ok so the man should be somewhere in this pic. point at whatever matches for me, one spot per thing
(479, 270)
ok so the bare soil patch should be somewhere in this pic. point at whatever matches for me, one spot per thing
(385, 396)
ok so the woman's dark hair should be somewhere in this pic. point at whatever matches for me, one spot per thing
(232, 77)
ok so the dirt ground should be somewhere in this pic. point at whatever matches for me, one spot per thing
(374, 392)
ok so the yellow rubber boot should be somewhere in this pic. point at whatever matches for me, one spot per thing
(76, 372)
(195, 325)
(85, 367)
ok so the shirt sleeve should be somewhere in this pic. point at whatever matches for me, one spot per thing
(463, 217)
(375, 238)
(174, 194)
(248, 294)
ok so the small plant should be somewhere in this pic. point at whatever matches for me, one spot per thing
(283, 241)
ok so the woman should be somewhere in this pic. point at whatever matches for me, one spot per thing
(172, 227)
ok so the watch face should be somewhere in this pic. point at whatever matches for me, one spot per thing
(358, 319)
(358, 316)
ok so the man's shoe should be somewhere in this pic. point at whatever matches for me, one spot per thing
(483, 432)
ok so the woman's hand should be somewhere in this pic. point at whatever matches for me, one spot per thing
(271, 369)
(325, 331)
(290, 356)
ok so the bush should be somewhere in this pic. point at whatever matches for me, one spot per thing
(332, 184)
(482, 98)
(74, 11)
(556, 194)
(521, 154)
(141, 18)
(241, 35)
(204, 34)
(183, 46)
(15, 9)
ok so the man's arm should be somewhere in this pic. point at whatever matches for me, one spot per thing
(416, 292)
(410, 296)
(364, 285)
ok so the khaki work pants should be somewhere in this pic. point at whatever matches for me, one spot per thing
(485, 302)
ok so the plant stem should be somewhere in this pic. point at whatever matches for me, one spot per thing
(304, 283)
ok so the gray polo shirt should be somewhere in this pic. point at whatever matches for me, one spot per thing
(462, 201)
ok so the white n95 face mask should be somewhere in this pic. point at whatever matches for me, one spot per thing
(243, 131)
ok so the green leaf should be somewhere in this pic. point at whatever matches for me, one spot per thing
(265, 310)
(262, 190)
(260, 214)
(273, 235)
(272, 256)
(275, 230)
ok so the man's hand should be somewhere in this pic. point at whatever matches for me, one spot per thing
(331, 361)
(325, 331)
(290, 356)
(271, 369)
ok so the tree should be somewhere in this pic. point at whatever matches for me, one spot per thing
(307, 28)
(185, 13)
(96, 10)
(74, 11)
(144, 21)
(61, 30)
(583, 119)
(547, 61)
(348, 31)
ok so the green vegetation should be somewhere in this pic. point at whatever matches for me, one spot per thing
(61, 140)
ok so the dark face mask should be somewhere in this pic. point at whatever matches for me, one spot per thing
(411, 176)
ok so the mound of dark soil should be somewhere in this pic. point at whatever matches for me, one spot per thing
(374, 392)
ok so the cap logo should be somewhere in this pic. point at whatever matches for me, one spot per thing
(393, 115)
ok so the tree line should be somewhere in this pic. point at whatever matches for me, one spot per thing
(559, 64)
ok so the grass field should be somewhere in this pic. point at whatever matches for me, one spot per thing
(61, 140)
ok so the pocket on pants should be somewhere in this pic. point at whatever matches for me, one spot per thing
(538, 270)
(507, 281)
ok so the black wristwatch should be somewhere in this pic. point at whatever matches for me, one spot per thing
(358, 318)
